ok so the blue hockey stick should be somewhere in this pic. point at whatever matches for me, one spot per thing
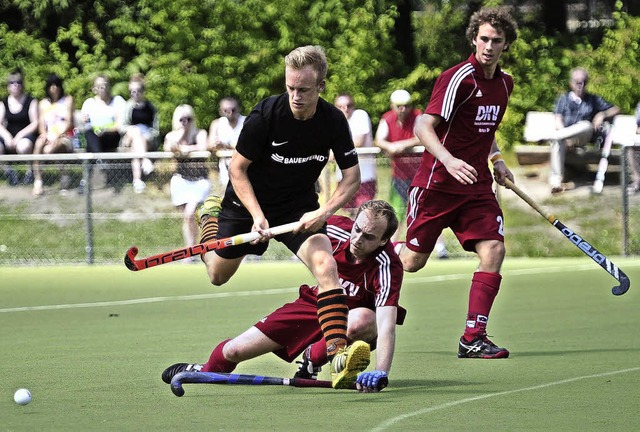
(229, 378)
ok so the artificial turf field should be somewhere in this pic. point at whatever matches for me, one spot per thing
(91, 342)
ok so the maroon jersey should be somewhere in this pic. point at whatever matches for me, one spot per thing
(471, 108)
(404, 166)
(370, 284)
(374, 282)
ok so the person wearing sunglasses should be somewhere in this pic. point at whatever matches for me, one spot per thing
(190, 183)
(102, 115)
(140, 130)
(18, 124)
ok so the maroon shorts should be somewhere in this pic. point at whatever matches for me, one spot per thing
(294, 326)
(366, 192)
(471, 218)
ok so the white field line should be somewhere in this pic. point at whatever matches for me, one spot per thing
(150, 300)
(408, 281)
(394, 420)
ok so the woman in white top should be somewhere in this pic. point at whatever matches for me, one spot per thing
(224, 133)
(103, 116)
(190, 183)
(55, 121)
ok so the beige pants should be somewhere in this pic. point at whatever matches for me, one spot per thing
(578, 134)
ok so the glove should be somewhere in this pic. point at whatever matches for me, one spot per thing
(376, 380)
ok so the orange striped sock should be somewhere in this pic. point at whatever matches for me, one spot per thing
(332, 316)
(209, 229)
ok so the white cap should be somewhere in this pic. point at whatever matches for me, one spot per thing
(400, 97)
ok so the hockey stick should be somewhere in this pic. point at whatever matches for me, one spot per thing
(226, 378)
(577, 240)
(598, 183)
(134, 264)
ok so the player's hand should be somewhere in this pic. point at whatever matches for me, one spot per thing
(461, 171)
(372, 382)
(501, 172)
(312, 221)
(261, 225)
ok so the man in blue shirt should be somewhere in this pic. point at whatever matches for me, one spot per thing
(579, 117)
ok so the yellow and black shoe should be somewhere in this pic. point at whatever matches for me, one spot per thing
(348, 363)
(210, 207)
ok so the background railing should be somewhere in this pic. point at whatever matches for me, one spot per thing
(95, 215)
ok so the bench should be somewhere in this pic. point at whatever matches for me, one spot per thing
(538, 126)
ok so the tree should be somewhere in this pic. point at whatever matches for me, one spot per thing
(197, 52)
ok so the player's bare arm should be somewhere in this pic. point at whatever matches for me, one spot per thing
(426, 133)
(313, 221)
(386, 317)
(500, 169)
(395, 147)
(238, 174)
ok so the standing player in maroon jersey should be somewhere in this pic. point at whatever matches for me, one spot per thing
(453, 186)
(371, 274)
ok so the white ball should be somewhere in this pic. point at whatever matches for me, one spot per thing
(22, 396)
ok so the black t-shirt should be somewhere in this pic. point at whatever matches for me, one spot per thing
(143, 115)
(20, 120)
(288, 155)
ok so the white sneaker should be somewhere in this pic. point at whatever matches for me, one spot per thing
(138, 186)
(598, 186)
(147, 166)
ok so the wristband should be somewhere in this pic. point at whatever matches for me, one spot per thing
(495, 157)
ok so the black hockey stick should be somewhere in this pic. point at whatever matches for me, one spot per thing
(229, 378)
(580, 243)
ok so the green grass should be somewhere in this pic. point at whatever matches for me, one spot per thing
(94, 363)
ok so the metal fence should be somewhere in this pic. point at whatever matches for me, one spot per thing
(90, 213)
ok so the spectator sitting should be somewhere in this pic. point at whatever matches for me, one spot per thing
(103, 115)
(362, 135)
(579, 117)
(224, 133)
(190, 184)
(18, 124)
(55, 119)
(140, 126)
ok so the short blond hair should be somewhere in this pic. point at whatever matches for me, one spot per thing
(309, 55)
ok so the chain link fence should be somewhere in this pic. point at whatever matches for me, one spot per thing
(630, 188)
(89, 211)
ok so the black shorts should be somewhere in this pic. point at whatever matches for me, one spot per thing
(235, 220)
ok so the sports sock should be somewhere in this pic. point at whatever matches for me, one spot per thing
(217, 362)
(317, 352)
(484, 289)
(209, 229)
(332, 316)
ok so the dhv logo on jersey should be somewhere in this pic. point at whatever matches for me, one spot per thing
(351, 288)
(487, 113)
